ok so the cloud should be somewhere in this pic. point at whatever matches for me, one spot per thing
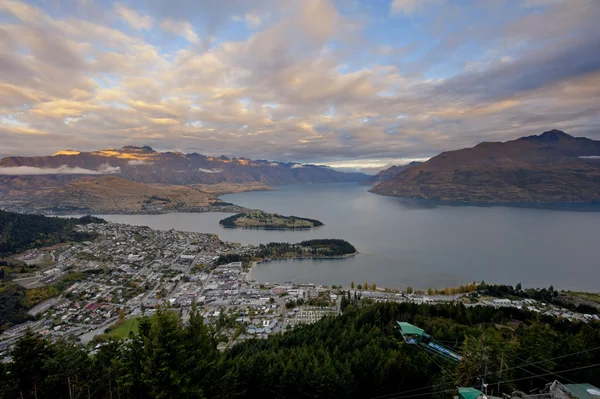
(181, 28)
(133, 19)
(316, 81)
(210, 170)
(138, 162)
(371, 166)
(61, 170)
(409, 6)
(252, 21)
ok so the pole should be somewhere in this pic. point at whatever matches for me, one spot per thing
(500, 374)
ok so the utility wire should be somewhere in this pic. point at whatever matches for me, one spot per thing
(501, 382)
(430, 356)
(545, 370)
(388, 396)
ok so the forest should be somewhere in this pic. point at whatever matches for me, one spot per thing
(549, 295)
(311, 248)
(20, 232)
(359, 354)
(260, 219)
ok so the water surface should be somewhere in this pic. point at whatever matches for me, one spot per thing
(403, 243)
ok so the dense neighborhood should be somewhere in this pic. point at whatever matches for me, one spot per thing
(129, 271)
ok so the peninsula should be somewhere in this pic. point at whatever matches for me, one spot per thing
(263, 220)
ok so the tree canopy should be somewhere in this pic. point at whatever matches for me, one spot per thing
(19, 232)
(359, 354)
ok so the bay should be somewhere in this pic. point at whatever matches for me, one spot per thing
(409, 244)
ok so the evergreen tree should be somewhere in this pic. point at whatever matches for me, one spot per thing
(27, 369)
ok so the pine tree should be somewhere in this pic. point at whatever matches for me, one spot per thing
(27, 369)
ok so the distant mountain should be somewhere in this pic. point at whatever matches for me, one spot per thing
(387, 174)
(144, 165)
(110, 194)
(553, 167)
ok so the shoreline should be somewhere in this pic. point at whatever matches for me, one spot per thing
(78, 212)
(340, 257)
(271, 228)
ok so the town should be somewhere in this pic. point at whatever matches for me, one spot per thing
(129, 271)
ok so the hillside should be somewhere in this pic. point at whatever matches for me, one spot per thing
(110, 194)
(144, 165)
(387, 174)
(553, 167)
(359, 354)
(19, 232)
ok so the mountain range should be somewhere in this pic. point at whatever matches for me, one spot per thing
(553, 167)
(144, 165)
(387, 174)
(74, 178)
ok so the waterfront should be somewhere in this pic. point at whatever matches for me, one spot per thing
(405, 244)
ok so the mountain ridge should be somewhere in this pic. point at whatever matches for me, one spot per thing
(25, 178)
(547, 168)
(386, 174)
(145, 165)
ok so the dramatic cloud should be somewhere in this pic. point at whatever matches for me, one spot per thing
(356, 85)
(61, 170)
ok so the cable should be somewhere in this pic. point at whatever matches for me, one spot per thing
(506, 381)
(444, 370)
(422, 394)
(556, 372)
(481, 375)
(543, 369)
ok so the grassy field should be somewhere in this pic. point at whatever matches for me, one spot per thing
(122, 330)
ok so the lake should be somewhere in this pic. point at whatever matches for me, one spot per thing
(404, 243)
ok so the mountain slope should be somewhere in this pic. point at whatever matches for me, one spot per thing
(553, 167)
(144, 165)
(110, 194)
(388, 173)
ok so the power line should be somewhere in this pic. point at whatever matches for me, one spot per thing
(548, 371)
(391, 395)
(501, 382)
(444, 370)
(556, 372)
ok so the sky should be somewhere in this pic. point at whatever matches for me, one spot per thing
(348, 83)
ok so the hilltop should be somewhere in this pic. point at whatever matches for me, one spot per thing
(553, 167)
